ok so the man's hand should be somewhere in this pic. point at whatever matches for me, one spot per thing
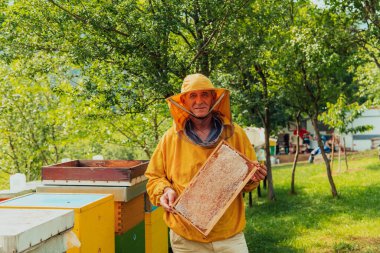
(260, 173)
(167, 199)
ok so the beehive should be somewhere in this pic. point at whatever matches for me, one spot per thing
(156, 232)
(93, 216)
(34, 230)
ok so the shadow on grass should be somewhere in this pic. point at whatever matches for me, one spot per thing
(373, 166)
(271, 226)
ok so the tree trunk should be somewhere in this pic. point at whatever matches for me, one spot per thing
(266, 122)
(292, 188)
(271, 195)
(265, 119)
(203, 65)
(326, 160)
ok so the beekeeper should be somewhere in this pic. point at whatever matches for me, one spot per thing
(202, 118)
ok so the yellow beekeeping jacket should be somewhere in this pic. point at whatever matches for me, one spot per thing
(176, 161)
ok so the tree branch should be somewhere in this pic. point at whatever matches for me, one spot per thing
(86, 21)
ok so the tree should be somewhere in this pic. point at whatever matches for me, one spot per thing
(35, 123)
(321, 57)
(127, 56)
(251, 70)
(145, 47)
(140, 131)
(368, 78)
(365, 24)
(341, 115)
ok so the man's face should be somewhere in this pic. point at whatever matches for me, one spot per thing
(199, 102)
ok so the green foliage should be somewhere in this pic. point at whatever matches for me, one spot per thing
(368, 78)
(250, 70)
(364, 24)
(317, 60)
(35, 122)
(313, 222)
(132, 52)
(46, 117)
(96, 73)
(341, 115)
(138, 131)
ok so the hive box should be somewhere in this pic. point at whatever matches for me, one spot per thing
(95, 172)
(129, 214)
(34, 230)
(129, 201)
(156, 232)
(93, 216)
(214, 187)
(120, 193)
(132, 241)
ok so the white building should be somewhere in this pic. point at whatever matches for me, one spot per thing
(364, 141)
(358, 141)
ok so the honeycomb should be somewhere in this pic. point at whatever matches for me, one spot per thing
(213, 187)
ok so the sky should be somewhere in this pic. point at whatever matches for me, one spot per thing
(319, 3)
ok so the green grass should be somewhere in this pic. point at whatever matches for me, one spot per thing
(314, 221)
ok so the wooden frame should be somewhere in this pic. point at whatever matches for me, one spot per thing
(224, 169)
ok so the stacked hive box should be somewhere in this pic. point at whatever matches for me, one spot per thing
(93, 216)
(128, 205)
(128, 210)
(129, 228)
(123, 179)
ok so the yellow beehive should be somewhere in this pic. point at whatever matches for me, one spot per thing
(128, 205)
(93, 216)
(156, 232)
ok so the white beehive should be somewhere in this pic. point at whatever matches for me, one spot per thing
(24, 229)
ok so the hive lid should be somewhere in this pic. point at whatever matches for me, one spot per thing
(78, 201)
(21, 229)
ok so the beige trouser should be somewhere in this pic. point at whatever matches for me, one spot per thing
(235, 244)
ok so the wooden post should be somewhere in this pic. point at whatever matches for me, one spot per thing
(345, 154)
(258, 191)
(339, 159)
(332, 151)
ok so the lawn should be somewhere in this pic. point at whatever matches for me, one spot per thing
(314, 221)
